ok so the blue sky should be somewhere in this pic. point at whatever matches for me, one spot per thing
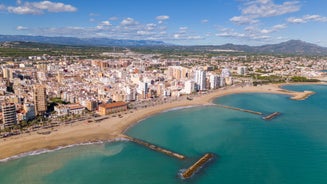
(187, 22)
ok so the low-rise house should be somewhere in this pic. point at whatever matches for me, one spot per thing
(63, 110)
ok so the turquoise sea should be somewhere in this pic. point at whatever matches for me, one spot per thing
(290, 149)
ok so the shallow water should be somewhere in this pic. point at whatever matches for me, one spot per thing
(292, 148)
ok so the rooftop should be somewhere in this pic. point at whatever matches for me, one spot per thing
(114, 104)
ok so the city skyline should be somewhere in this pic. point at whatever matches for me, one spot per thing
(251, 22)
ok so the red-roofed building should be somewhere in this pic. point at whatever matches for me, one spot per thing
(105, 109)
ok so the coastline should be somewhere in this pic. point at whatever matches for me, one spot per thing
(111, 129)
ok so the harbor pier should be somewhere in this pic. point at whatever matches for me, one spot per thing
(239, 109)
(271, 116)
(155, 147)
(197, 166)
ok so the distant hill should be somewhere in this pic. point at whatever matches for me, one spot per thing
(79, 41)
(291, 47)
(296, 47)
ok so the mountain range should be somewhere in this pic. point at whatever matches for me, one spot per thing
(79, 41)
(291, 47)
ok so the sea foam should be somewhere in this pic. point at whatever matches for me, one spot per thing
(43, 151)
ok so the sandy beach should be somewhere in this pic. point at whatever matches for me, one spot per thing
(113, 127)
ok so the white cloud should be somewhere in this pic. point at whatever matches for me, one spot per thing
(273, 29)
(40, 7)
(243, 20)
(176, 36)
(20, 28)
(162, 17)
(106, 23)
(254, 9)
(24, 10)
(113, 18)
(183, 29)
(251, 33)
(128, 22)
(252, 12)
(264, 1)
(183, 34)
(265, 31)
(267, 8)
(136, 32)
(307, 18)
(127, 28)
(315, 18)
(231, 34)
(295, 20)
(93, 14)
(144, 33)
(197, 37)
(257, 31)
(279, 26)
(204, 21)
(2, 7)
(150, 26)
(54, 6)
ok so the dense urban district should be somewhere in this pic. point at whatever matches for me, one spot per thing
(42, 91)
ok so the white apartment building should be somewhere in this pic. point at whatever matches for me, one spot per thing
(200, 79)
(214, 81)
(189, 87)
(143, 89)
(242, 70)
(130, 93)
